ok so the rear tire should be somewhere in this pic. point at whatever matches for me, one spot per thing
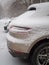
(40, 55)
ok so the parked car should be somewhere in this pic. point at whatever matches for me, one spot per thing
(28, 35)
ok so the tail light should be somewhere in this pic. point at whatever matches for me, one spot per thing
(20, 32)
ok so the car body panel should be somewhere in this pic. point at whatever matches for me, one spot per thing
(37, 21)
(25, 45)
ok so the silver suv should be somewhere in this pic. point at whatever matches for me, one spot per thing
(29, 34)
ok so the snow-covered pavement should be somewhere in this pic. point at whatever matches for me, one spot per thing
(5, 57)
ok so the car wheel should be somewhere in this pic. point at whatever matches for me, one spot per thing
(40, 55)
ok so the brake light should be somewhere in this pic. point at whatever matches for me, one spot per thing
(20, 32)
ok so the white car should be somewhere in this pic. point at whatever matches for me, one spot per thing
(29, 34)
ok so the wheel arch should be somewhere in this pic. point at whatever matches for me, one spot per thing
(37, 43)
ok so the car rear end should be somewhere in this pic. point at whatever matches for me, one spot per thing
(17, 41)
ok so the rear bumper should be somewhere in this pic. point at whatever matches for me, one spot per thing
(18, 54)
(18, 44)
(17, 47)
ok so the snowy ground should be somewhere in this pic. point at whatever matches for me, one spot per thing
(5, 57)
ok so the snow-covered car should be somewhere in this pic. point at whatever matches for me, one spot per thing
(29, 34)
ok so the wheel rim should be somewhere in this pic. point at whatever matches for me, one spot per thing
(43, 56)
